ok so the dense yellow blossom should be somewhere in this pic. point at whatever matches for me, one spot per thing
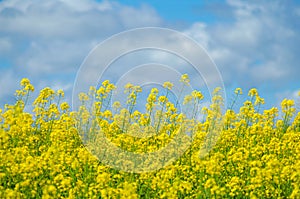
(45, 153)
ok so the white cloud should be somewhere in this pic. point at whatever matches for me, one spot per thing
(198, 31)
(144, 15)
(65, 19)
(67, 27)
(258, 45)
(48, 40)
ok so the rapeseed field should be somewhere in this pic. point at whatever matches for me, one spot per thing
(109, 150)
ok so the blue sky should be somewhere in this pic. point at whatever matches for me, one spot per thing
(253, 43)
(184, 12)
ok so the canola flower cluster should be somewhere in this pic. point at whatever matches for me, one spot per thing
(45, 153)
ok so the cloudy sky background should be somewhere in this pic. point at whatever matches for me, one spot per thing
(254, 44)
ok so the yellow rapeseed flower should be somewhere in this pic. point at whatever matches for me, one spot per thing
(185, 79)
(168, 85)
